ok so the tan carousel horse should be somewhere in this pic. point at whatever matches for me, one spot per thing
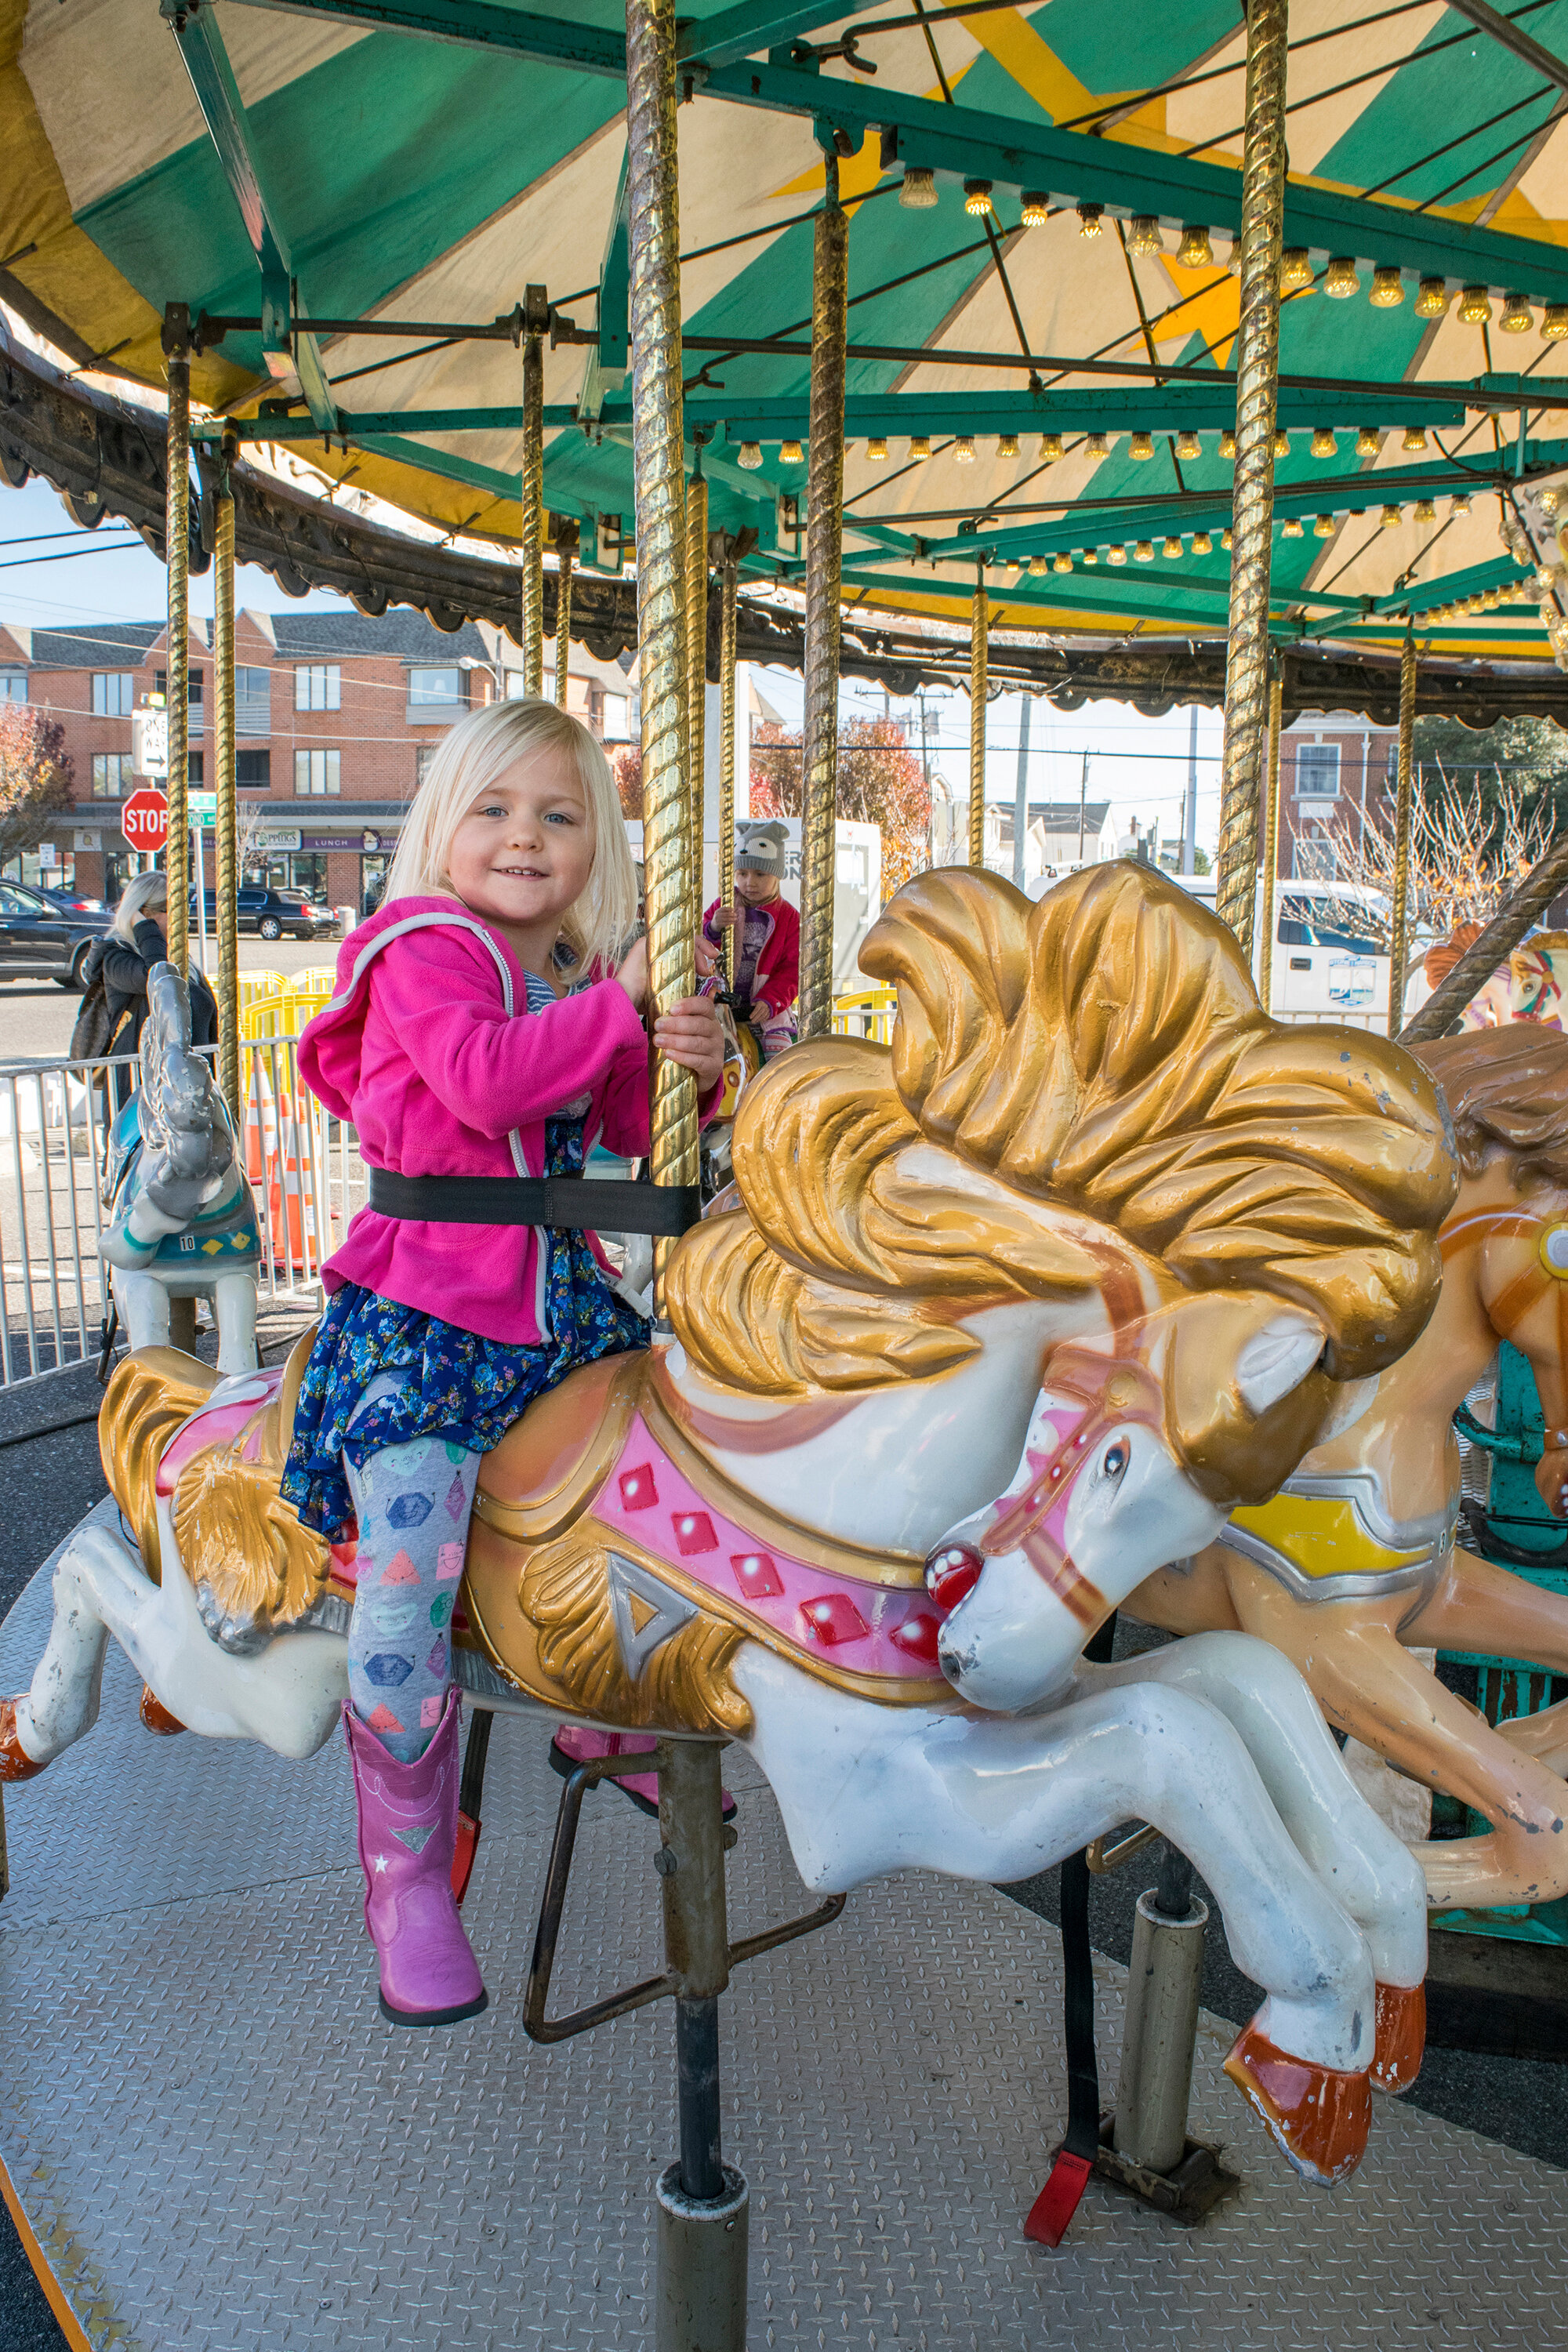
(1354, 1563)
(1007, 1315)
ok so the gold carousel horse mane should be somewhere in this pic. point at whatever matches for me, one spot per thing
(1508, 1091)
(1104, 1050)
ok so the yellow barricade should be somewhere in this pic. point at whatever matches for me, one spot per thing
(865, 1013)
(283, 1010)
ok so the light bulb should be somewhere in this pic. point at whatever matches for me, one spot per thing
(919, 446)
(1091, 555)
(1035, 210)
(1474, 307)
(1324, 443)
(1144, 551)
(1172, 548)
(1116, 555)
(1195, 251)
(1227, 443)
(1007, 445)
(1424, 510)
(1291, 527)
(1550, 501)
(1063, 562)
(1188, 445)
(1517, 318)
(1387, 289)
(1295, 269)
(1461, 505)
(1088, 219)
(1141, 445)
(1051, 449)
(1097, 444)
(917, 193)
(1202, 543)
(964, 450)
(1038, 565)
(1281, 443)
(1144, 238)
(1340, 279)
(1389, 519)
(1554, 322)
(1323, 528)
(977, 198)
(1368, 441)
(877, 450)
(1432, 299)
(1414, 440)
(791, 453)
(751, 457)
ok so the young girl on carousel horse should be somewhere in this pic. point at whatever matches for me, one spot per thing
(767, 947)
(487, 1023)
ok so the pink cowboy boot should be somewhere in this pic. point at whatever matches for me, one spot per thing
(572, 1747)
(407, 1830)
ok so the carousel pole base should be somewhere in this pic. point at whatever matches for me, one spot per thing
(1187, 2194)
(703, 2244)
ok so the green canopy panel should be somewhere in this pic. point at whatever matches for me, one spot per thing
(427, 161)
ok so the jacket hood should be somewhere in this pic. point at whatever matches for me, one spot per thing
(330, 1043)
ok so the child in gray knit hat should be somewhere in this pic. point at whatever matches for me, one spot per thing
(767, 949)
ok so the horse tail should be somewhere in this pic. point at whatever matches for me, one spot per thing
(152, 1393)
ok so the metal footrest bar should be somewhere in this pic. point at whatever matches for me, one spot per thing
(535, 2023)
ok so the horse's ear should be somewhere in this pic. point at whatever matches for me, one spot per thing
(1244, 1393)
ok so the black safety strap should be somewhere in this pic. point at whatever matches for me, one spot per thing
(574, 1203)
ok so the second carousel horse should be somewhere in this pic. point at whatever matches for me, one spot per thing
(1353, 1564)
(1006, 1316)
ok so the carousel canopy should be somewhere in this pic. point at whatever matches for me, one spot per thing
(363, 203)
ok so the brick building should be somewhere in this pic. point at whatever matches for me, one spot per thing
(336, 716)
(1333, 767)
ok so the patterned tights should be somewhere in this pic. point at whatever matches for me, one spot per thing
(413, 1502)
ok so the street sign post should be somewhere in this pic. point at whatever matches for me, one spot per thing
(144, 822)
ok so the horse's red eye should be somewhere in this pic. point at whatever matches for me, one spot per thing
(952, 1573)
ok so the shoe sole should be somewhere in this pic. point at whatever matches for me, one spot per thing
(414, 2017)
(564, 1766)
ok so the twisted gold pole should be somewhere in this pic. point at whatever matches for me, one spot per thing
(227, 825)
(979, 653)
(1270, 845)
(824, 555)
(1404, 813)
(562, 622)
(657, 467)
(727, 943)
(532, 551)
(177, 664)
(695, 666)
(1252, 507)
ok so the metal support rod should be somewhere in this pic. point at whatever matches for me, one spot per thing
(1021, 797)
(824, 556)
(563, 624)
(1404, 818)
(657, 467)
(726, 770)
(530, 553)
(1252, 507)
(176, 658)
(226, 840)
(697, 2093)
(1270, 840)
(979, 650)
(696, 664)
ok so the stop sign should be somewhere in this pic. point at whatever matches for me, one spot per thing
(144, 821)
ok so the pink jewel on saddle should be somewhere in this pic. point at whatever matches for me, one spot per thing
(919, 1635)
(638, 1492)
(833, 1617)
(694, 1533)
(951, 1574)
(757, 1576)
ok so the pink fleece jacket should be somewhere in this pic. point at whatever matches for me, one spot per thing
(426, 1048)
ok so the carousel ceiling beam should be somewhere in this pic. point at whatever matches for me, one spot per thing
(742, 31)
(1507, 36)
(284, 339)
(475, 25)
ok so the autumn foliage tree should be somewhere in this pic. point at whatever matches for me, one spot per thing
(880, 782)
(37, 775)
(627, 767)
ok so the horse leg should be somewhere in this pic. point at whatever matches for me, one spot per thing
(1368, 1683)
(234, 1305)
(97, 1589)
(145, 1308)
(1479, 1607)
(1357, 1856)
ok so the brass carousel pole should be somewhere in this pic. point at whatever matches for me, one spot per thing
(726, 770)
(226, 844)
(979, 651)
(176, 659)
(530, 553)
(697, 661)
(1252, 505)
(824, 555)
(1270, 842)
(1403, 813)
(562, 620)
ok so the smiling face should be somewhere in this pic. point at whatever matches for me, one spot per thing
(522, 854)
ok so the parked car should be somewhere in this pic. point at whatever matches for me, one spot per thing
(40, 940)
(272, 912)
(70, 902)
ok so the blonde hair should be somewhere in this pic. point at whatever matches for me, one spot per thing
(469, 758)
(143, 890)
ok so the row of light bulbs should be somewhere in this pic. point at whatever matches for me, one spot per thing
(1368, 443)
(1171, 547)
(1342, 278)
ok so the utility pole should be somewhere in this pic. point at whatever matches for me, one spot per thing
(1082, 805)
(1021, 802)
(925, 771)
(1190, 835)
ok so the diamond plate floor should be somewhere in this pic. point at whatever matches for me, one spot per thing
(219, 2143)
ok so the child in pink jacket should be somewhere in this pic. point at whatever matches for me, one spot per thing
(481, 1027)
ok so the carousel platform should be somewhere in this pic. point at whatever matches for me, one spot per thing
(216, 2142)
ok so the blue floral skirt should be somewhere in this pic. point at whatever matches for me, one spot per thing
(468, 1389)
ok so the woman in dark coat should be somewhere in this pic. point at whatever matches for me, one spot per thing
(136, 940)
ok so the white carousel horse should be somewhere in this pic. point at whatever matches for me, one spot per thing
(932, 1408)
(182, 1220)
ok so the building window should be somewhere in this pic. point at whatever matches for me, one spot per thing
(316, 773)
(253, 770)
(319, 686)
(1317, 771)
(111, 693)
(194, 769)
(252, 701)
(615, 718)
(112, 776)
(12, 685)
(193, 691)
(442, 687)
